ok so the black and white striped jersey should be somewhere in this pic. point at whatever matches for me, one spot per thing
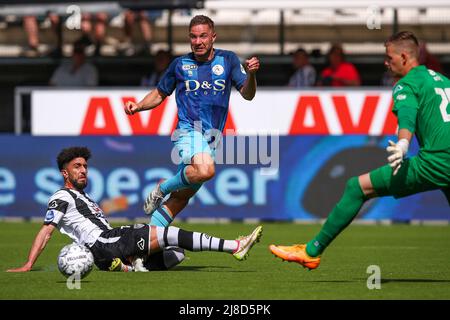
(76, 215)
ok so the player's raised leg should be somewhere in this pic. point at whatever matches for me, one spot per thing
(357, 191)
(199, 171)
(164, 215)
(196, 167)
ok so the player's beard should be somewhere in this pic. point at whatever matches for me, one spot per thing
(79, 185)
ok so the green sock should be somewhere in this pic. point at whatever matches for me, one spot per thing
(341, 216)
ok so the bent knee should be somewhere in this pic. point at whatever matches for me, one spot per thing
(206, 172)
(356, 188)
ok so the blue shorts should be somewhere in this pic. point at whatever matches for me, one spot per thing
(190, 143)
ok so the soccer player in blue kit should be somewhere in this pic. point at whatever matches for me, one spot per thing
(203, 80)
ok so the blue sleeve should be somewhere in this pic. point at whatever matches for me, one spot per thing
(168, 81)
(238, 74)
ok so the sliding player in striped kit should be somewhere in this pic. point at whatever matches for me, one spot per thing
(138, 247)
(202, 80)
(422, 105)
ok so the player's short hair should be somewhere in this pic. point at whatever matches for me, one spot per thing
(405, 39)
(403, 36)
(201, 19)
(68, 154)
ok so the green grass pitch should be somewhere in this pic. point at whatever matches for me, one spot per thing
(414, 262)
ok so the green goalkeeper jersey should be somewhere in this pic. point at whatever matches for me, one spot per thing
(422, 105)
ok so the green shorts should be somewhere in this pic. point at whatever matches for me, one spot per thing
(412, 178)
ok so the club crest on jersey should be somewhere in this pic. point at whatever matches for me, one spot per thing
(49, 216)
(401, 97)
(217, 69)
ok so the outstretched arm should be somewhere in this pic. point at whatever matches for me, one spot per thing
(406, 107)
(248, 90)
(150, 101)
(38, 246)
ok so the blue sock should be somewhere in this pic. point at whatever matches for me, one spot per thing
(161, 218)
(178, 181)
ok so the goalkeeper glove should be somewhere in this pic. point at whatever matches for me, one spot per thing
(397, 152)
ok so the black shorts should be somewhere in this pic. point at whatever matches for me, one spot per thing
(121, 242)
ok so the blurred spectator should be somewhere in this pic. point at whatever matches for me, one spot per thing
(305, 74)
(88, 23)
(97, 22)
(30, 24)
(146, 21)
(428, 59)
(162, 60)
(77, 72)
(339, 73)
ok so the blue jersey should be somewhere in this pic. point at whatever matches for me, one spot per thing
(203, 88)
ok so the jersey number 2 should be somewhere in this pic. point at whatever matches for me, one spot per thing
(445, 95)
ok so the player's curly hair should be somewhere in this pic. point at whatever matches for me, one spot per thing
(201, 19)
(68, 154)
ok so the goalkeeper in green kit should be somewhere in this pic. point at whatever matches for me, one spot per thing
(422, 105)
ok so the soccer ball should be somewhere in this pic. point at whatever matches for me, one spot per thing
(75, 259)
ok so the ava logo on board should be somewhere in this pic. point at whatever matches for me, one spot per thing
(286, 112)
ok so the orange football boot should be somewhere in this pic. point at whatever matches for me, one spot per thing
(296, 253)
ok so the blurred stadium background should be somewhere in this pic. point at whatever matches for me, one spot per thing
(326, 135)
